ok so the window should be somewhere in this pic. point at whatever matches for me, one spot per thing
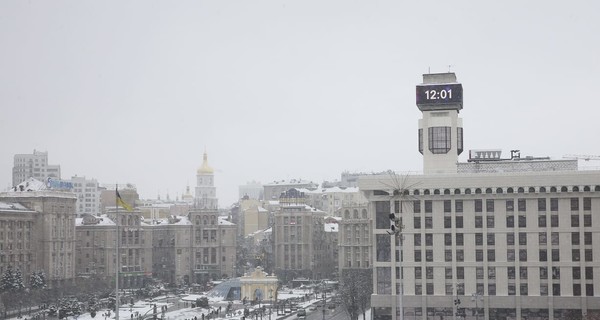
(522, 255)
(384, 280)
(555, 255)
(421, 141)
(575, 238)
(554, 221)
(448, 272)
(510, 205)
(587, 220)
(416, 222)
(511, 273)
(576, 289)
(553, 204)
(544, 273)
(417, 255)
(574, 220)
(542, 204)
(460, 239)
(575, 255)
(510, 255)
(491, 239)
(429, 272)
(542, 238)
(589, 273)
(489, 205)
(523, 289)
(418, 273)
(588, 255)
(447, 206)
(522, 238)
(479, 272)
(576, 273)
(439, 139)
(447, 222)
(460, 255)
(522, 205)
(448, 255)
(510, 221)
(429, 287)
(417, 206)
(492, 273)
(459, 222)
(587, 204)
(555, 273)
(522, 221)
(556, 289)
(418, 289)
(458, 206)
(448, 239)
(382, 214)
(428, 206)
(587, 238)
(543, 255)
(478, 255)
(491, 255)
(510, 239)
(383, 247)
(460, 273)
(478, 222)
(479, 239)
(417, 238)
(429, 239)
(511, 290)
(490, 221)
(554, 238)
(429, 255)
(574, 204)
(589, 289)
(542, 221)
(428, 222)
(478, 205)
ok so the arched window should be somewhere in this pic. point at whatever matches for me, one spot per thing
(510, 190)
(542, 189)
(355, 214)
(416, 192)
(364, 213)
(436, 191)
(586, 188)
(597, 188)
(456, 191)
(488, 190)
(531, 190)
(575, 189)
(478, 191)
(520, 190)
(446, 191)
(467, 191)
(427, 192)
(564, 189)
(553, 189)
(347, 214)
(499, 190)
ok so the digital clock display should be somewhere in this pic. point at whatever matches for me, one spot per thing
(437, 95)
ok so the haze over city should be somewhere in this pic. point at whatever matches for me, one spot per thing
(137, 91)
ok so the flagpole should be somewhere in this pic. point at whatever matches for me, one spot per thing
(118, 262)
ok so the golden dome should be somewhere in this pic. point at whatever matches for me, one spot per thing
(205, 168)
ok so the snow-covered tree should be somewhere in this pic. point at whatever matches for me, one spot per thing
(37, 280)
(12, 279)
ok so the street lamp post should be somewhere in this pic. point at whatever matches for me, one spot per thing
(271, 303)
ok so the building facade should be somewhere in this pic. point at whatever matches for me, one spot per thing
(34, 165)
(88, 195)
(37, 232)
(355, 245)
(491, 239)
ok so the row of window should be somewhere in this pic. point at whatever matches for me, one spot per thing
(510, 238)
(490, 221)
(523, 289)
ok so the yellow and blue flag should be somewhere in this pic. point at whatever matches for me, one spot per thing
(123, 203)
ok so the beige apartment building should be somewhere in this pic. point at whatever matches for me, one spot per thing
(355, 245)
(492, 238)
(37, 231)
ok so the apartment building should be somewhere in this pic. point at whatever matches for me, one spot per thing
(88, 195)
(34, 165)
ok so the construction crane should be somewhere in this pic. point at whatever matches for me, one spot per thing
(581, 157)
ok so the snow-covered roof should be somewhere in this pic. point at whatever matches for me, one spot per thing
(31, 184)
(91, 220)
(223, 221)
(331, 227)
(329, 190)
(172, 220)
(289, 182)
(261, 209)
(11, 206)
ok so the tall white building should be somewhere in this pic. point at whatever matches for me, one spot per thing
(206, 192)
(33, 165)
(88, 195)
(489, 239)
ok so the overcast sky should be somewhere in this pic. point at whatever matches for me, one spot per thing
(134, 91)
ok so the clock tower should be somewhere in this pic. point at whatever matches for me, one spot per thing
(440, 98)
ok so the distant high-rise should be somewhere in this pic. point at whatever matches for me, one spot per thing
(88, 195)
(33, 165)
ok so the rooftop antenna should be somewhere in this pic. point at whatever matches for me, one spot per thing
(449, 66)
